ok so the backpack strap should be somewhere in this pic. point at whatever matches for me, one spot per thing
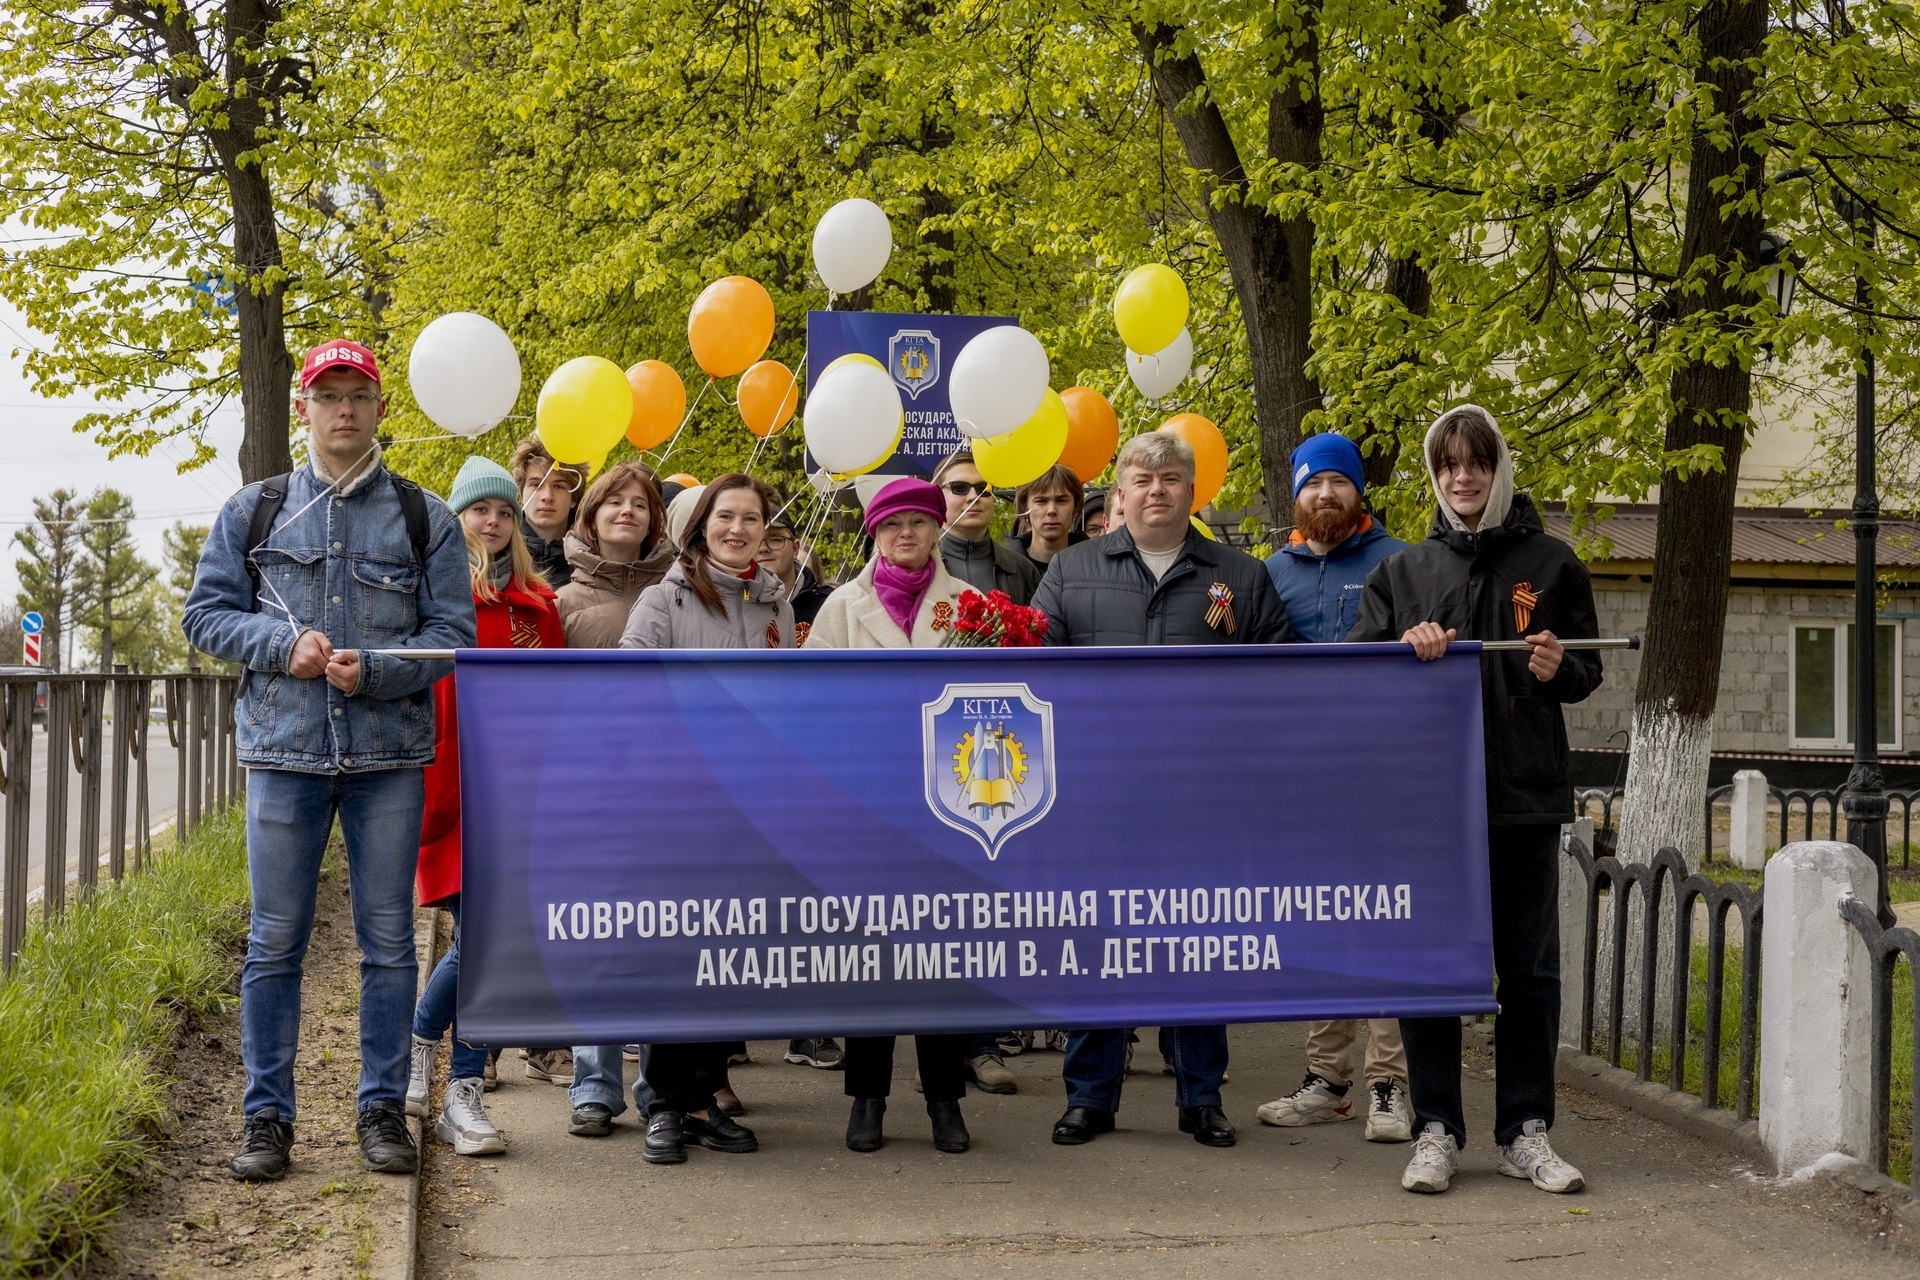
(413, 508)
(273, 496)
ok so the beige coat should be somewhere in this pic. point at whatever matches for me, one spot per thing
(854, 618)
(594, 606)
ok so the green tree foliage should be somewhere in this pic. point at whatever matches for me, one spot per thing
(10, 634)
(180, 548)
(196, 181)
(108, 577)
(46, 565)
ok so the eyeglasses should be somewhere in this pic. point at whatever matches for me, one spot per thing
(334, 399)
(776, 541)
(966, 488)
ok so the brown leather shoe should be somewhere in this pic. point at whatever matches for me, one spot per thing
(728, 1101)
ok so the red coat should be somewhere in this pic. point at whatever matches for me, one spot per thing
(518, 619)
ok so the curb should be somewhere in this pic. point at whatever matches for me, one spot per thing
(1655, 1101)
(396, 1251)
(1892, 1205)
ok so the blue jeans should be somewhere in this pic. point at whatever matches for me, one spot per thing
(434, 1014)
(289, 816)
(597, 1078)
(1097, 1062)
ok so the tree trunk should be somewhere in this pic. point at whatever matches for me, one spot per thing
(266, 370)
(1270, 259)
(1692, 558)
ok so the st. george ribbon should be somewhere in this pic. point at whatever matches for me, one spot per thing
(666, 846)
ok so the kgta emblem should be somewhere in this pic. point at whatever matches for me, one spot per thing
(913, 358)
(988, 759)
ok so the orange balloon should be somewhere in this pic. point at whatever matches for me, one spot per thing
(730, 326)
(685, 478)
(1093, 432)
(768, 397)
(1209, 454)
(659, 403)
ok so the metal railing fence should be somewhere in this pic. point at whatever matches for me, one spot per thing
(1884, 949)
(96, 759)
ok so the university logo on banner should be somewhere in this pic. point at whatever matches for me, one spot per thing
(913, 357)
(988, 759)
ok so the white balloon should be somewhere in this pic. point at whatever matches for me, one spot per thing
(824, 484)
(464, 373)
(853, 417)
(851, 244)
(868, 487)
(1158, 374)
(997, 382)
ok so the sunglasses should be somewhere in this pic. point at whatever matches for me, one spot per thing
(966, 488)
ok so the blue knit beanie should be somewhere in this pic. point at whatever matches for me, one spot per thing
(1330, 452)
(481, 478)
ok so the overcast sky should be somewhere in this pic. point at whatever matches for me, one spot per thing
(40, 452)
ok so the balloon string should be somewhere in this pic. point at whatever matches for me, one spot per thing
(754, 457)
(661, 461)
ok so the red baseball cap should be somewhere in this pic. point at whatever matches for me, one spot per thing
(338, 353)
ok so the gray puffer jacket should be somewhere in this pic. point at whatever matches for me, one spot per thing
(669, 615)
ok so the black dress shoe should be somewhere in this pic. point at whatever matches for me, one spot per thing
(385, 1144)
(665, 1143)
(265, 1150)
(718, 1133)
(949, 1129)
(863, 1124)
(1208, 1125)
(1081, 1124)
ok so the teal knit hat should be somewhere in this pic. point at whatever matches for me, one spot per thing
(481, 478)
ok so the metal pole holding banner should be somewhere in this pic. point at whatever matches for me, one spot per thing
(1490, 646)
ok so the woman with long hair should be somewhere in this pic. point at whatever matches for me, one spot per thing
(714, 596)
(618, 548)
(903, 599)
(514, 608)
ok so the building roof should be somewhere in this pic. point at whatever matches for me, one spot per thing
(1776, 542)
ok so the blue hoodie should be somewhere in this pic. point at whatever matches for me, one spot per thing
(1322, 593)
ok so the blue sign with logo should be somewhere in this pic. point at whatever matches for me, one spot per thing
(666, 846)
(915, 350)
(32, 623)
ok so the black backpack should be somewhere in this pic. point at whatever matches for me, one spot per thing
(273, 495)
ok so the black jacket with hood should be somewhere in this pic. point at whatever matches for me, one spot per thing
(1468, 580)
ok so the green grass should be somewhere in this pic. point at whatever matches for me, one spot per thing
(1900, 1126)
(85, 1021)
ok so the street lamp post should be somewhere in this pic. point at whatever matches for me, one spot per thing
(1864, 801)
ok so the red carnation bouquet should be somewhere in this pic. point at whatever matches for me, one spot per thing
(994, 621)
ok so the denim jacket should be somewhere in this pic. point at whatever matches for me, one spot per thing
(343, 566)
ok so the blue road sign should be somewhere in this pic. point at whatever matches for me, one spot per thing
(32, 623)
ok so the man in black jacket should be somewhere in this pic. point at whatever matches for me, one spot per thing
(1157, 581)
(1489, 571)
(967, 548)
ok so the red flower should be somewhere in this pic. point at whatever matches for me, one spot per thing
(995, 621)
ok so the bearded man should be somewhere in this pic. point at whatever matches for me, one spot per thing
(1320, 573)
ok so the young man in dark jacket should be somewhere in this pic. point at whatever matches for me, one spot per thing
(1489, 571)
(967, 548)
(1157, 581)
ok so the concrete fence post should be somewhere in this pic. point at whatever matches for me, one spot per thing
(1816, 1015)
(1573, 932)
(1747, 842)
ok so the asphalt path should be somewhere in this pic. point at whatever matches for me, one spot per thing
(162, 781)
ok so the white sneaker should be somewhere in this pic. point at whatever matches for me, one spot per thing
(1314, 1102)
(1389, 1112)
(1532, 1157)
(463, 1121)
(1434, 1158)
(419, 1075)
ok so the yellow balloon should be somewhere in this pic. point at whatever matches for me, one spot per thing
(1150, 308)
(852, 357)
(1024, 453)
(1204, 529)
(584, 409)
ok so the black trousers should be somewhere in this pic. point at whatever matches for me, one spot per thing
(1524, 863)
(943, 1066)
(684, 1076)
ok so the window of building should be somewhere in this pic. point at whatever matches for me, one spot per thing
(1820, 686)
